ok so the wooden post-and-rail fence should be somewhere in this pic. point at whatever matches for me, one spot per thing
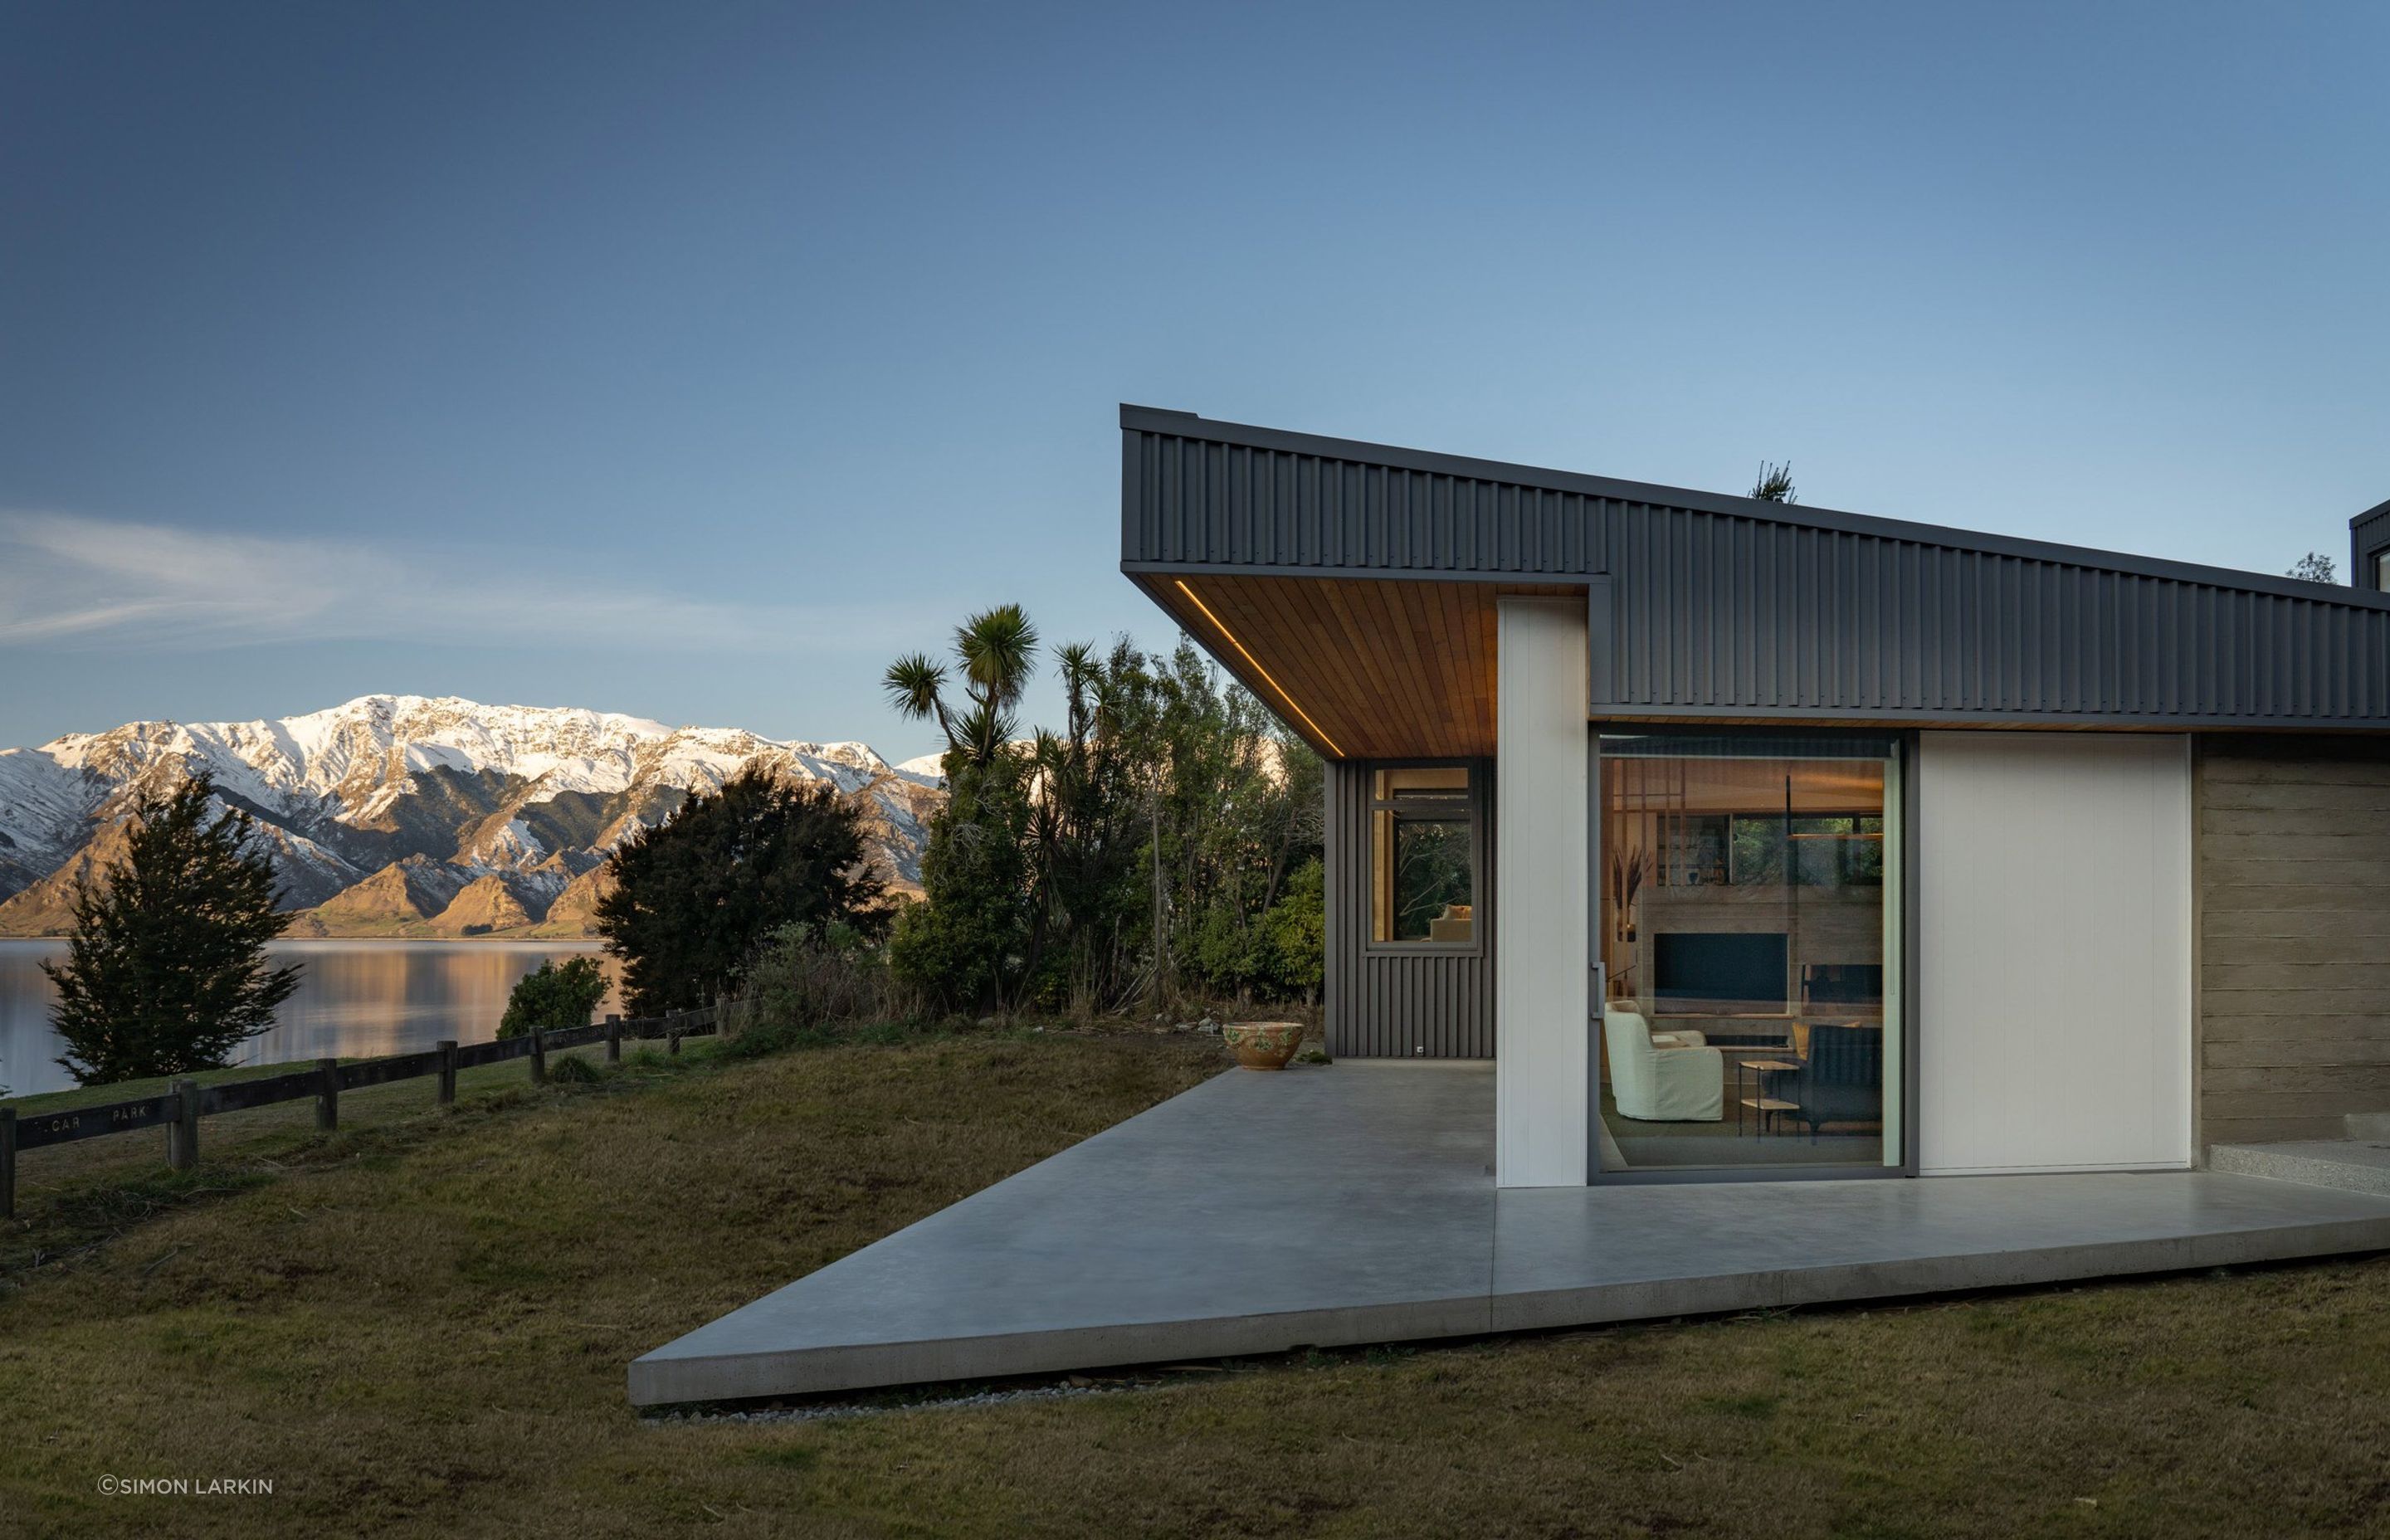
(178, 1112)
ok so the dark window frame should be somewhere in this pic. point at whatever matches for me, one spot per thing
(1906, 742)
(1481, 907)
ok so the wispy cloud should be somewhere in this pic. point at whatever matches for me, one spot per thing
(72, 580)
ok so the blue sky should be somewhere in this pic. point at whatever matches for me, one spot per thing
(693, 360)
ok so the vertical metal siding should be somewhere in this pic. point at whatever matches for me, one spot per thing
(1385, 1006)
(1720, 611)
(2369, 533)
(1201, 502)
(1717, 614)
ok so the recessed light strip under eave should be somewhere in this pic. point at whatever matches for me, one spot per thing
(1221, 626)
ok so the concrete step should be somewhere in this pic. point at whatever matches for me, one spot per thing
(2354, 1165)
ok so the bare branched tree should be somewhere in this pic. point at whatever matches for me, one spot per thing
(2314, 567)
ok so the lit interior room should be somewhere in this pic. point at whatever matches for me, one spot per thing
(1748, 896)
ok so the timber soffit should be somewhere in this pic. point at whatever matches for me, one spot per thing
(1190, 426)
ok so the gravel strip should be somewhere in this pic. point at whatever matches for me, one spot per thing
(823, 1411)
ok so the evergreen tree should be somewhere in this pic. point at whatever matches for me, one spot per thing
(997, 650)
(967, 946)
(1298, 932)
(166, 971)
(1775, 483)
(1136, 852)
(555, 997)
(974, 940)
(697, 896)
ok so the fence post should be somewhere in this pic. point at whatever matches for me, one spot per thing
(614, 1040)
(328, 1095)
(538, 1055)
(182, 1133)
(7, 1162)
(671, 1031)
(447, 1071)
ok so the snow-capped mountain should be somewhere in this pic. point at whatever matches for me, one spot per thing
(399, 814)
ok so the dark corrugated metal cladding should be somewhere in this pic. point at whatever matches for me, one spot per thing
(1724, 605)
(1207, 504)
(1719, 615)
(1383, 1005)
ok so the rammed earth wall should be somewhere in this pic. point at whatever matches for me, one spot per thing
(2293, 933)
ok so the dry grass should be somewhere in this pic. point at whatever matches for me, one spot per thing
(421, 1324)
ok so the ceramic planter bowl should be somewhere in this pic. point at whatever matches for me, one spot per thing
(1262, 1044)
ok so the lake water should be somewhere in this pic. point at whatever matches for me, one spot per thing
(356, 998)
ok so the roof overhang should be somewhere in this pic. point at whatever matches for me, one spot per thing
(1358, 668)
(1352, 587)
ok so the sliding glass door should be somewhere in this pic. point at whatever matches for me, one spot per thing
(1749, 936)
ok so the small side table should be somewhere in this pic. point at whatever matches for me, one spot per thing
(1762, 1104)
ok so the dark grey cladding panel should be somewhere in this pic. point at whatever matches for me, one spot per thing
(1387, 1004)
(1711, 612)
(2369, 535)
(1204, 503)
(1722, 605)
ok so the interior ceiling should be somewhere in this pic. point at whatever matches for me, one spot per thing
(1360, 668)
(1697, 786)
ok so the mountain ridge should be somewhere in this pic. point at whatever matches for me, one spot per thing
(384, 812)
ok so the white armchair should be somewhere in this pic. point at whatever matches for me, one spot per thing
(1655, 1084)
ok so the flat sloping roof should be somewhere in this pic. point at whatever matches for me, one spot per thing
(1720, 607)
(1189, 427)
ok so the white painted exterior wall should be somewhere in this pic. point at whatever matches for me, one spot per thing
(1542, 894)
(2054, 948)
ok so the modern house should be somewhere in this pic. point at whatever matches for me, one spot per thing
(1681, 844)
(1757, 840)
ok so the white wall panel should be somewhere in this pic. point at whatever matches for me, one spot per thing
(2054, 951)
(1543, 891)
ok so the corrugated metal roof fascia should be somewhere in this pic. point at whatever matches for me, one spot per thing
(1197, 504)
(1356, 457)
(1986, 633)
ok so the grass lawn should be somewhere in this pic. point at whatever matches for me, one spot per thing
(420, 1323)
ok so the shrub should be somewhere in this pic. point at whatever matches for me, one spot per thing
(571, 1068)
(806, 980)
(1297, 928)
(554, 998)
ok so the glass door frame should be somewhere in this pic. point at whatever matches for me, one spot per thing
(1905, 757)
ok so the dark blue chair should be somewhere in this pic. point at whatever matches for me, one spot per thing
(1841, 1082)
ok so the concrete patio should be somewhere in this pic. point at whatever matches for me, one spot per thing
(1354, 1203)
